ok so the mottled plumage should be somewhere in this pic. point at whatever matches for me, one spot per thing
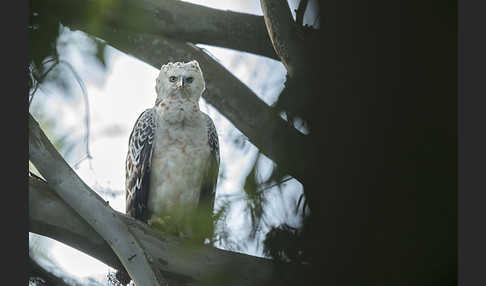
(173, 156)
(138, 165)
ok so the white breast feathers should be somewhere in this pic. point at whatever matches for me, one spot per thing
(179, 160)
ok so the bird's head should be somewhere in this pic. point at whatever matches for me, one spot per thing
(180, 81)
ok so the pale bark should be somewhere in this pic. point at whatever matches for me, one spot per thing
(181, 263)
(92, 208)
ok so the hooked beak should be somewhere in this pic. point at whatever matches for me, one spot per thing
(180, 82)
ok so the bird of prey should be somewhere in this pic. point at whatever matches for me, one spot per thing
(173, 156)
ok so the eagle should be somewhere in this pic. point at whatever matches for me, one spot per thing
(172, 163)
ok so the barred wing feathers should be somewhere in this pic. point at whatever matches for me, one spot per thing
(138, 165)
(208, 191)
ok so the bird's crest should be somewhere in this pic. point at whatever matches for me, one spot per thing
(191, 65)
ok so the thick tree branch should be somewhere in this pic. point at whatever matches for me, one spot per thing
(90, 207)
(283, 34)
(300, 50)
(75, 231)
(169, 18)
(300, 11)
(182, 263)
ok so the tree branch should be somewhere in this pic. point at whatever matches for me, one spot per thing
(92, 208)
(169, 18)
(74, 231)
(281, 30)
(300, 12)
(286, 38)
(180, 262)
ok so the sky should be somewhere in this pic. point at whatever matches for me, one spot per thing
(116, 98)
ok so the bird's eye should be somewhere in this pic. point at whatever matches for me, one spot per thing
(189, 79)
(172, 78)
